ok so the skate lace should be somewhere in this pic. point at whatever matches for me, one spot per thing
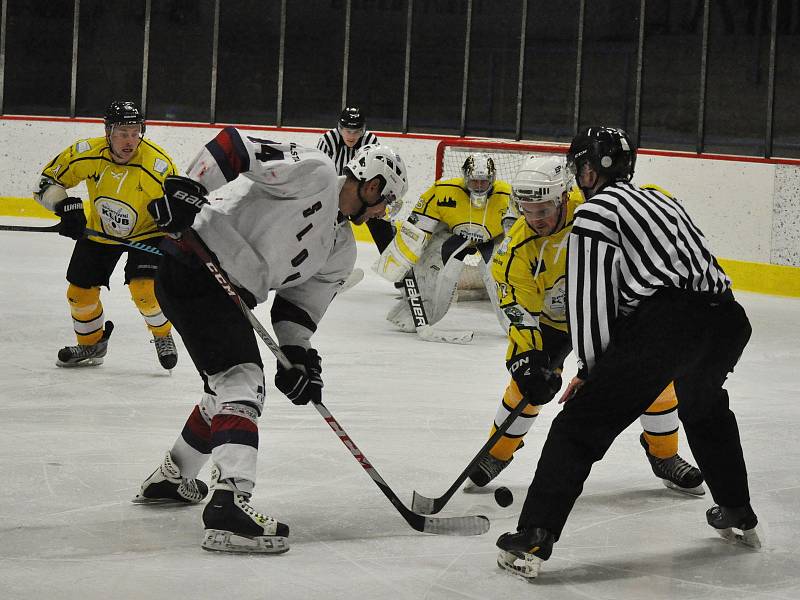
(164, 345)
(83, 350)
(252, 512)
(190, 490)
(675, 467)
(491, 465)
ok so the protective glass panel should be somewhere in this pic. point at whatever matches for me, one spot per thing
(786, 117)
(670, 78)
(38, 62)
(608, 84)
(494, 68)
(108, 67)
(437, 66)
(551, 51)
(247, 62)
(312, 79)
(376, 69)
(738, 74)
(179, 77)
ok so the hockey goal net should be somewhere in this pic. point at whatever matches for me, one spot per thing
(507, 157)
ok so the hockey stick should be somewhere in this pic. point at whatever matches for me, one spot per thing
(87, 232)
(431, 506)
(468, 525)
(424, 329)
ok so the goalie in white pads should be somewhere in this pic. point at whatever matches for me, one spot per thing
(455, 223)
(284, 228)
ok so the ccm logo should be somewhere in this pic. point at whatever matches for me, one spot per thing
(188, 198)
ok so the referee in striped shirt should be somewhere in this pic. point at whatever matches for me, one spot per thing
(341, 144)
(647, 304)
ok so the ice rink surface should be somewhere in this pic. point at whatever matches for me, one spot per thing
(76, 444)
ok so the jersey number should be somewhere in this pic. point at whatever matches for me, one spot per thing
(303, 254)
(267, 152)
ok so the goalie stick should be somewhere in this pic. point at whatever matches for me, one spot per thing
(88, 232)
(424, 329)
(430, 506)
(467, 525)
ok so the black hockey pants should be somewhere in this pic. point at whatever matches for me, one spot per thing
(692, 339)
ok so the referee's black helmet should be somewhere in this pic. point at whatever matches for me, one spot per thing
(351, 118)
(608, 150)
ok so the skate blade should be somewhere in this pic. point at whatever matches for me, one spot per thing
(217, 540)
(471, 488)
(526, 567)
(695, 491)
(89, 362)
(160, 501)
(749, 537)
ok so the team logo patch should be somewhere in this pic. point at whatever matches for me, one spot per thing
(555, 301)
(83, 146)
(116, 217)
(471, 231)
(160, 166)
(504, 246)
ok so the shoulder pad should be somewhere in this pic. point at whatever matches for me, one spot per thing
(653, 186)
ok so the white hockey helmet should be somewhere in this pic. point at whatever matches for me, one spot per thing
(479, 174)
(376, 160)
(540, 184)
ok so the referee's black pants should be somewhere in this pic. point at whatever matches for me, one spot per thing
(692, 339)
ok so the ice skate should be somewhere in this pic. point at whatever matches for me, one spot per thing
(232, 525)
(166, 350)
(727, 519)
(523, 552)
(86, 355)
(166, 486)
(675, 472)
(486, 470)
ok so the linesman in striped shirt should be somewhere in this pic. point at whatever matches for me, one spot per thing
(647, 303)
(341, 144)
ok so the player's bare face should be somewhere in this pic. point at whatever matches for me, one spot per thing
(351, 136)
(543, 217)
(124, 140)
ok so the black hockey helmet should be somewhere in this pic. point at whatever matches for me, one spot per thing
(608, 150)
(123, 112)
(351, 118)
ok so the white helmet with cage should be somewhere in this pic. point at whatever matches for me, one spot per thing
(540, 184)
(479, 173)
(376, 160)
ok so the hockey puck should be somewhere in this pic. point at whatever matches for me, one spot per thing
(503, 496)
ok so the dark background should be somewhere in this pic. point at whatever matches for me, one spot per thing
(726, 95)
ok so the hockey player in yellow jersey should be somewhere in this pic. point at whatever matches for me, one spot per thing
(123, 172)
(529, 268)
(456, 222)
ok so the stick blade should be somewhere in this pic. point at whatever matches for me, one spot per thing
(422, 504)
(469, 525)
(429, 334)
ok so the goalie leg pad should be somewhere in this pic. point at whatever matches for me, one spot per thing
(445, 289)
(404, 251)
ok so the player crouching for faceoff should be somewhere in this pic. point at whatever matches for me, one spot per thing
(455, 223)
(123, 171)
(529, 268)
(284, 229)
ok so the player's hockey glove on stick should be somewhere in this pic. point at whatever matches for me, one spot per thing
(303, 382)
(73, 219)
(535, 380)
(176, 209)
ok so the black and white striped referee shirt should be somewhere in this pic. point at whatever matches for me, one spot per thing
(332, 144)
(626, 243)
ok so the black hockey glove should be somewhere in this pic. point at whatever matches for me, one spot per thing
(531, 371)
(182, 200)
(73, 219)
(303, 382)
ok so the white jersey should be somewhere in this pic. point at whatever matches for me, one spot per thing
(276, 228)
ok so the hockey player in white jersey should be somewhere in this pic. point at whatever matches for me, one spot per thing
(281, 226)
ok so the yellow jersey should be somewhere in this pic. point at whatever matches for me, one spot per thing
(446, 203)
(118, 194)
(530, 272)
